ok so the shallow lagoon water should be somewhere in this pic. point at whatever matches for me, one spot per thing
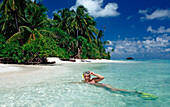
(51, 85)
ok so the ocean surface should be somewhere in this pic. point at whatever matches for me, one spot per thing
(51, 86)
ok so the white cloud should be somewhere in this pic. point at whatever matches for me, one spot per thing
(110, 43)
(95, 8)
(109, 49)
(161, 29)
(147, 37)
(159, 14)
(167, 50)
(143, 11)
(152, 47)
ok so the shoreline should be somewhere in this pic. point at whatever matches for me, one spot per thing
(18, 67)
(58, 61)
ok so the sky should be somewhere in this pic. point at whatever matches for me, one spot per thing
(134, 28)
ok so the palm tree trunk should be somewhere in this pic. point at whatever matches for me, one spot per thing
(77, 43)
(78, 50)
(16, 22)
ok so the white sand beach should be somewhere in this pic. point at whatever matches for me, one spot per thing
(58, 61)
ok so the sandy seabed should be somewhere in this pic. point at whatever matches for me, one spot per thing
(12, 75)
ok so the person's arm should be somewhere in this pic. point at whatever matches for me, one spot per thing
(97, 78)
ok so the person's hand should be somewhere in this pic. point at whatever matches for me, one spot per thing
(91, 73)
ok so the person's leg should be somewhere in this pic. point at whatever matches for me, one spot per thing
(116, 89)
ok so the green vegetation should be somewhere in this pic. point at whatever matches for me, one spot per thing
(28, 35)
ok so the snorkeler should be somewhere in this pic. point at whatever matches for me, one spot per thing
(87, 76)
(94, 81)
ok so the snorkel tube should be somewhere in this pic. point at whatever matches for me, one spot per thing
(82, 76)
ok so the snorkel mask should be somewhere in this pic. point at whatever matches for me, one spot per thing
(87, 72)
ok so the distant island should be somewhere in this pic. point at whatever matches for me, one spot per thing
(130, 58)
(28, 36)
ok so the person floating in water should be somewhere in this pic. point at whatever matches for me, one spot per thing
(94, 81)
(87, 78)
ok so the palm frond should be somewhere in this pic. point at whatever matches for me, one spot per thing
(14, 37)
(27, 28)
(42, 22)
(53, 35)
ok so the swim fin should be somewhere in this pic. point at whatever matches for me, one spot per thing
(147, 96)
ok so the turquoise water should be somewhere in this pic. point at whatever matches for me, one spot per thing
(50, 86)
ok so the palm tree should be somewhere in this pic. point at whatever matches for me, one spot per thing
(62, 19)
(35, 21)
(14, 8)
(82, 24)
(100, 35)
(76, 23)
(90, 29)
(12, 12)
(16, 13)
(78, 19)
(35, 16)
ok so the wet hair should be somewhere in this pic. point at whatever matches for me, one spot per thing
(86, 72)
